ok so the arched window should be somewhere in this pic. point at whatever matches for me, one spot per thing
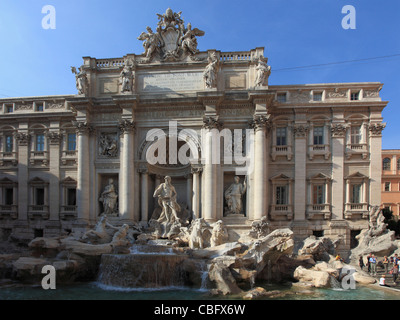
(386, 164)
(398, 164)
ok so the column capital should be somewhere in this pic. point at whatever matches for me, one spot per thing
(196, 170)
(212, 123)
(82, 127)
(143, 170)
(375, 129)
(127, 126)
(260, 122)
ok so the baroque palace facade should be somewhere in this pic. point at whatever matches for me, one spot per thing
(315, 156)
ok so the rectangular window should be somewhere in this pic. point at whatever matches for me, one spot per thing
(39, 196)
(39, 107)
(9, 142)
(9, 108)
(317, 96)
(354, 95)
(281, 137)
(281, 97)
(71, 141)
(318, 135)
(9, 196)
(39, 142)
(355, 135)
(387, 186)
(318, 194)
(281, 195)
(356, 193)
(71, 196)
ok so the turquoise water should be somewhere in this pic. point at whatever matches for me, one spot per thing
(95, 291)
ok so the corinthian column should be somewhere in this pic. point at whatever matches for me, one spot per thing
(196, 192)
(83, 130)
(126, 173)
(212, 157)
(260, 123)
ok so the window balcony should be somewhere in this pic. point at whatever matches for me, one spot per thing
(68, 212)
(69, 156)
(353, 210)
(283, 151)
(39, 157)
(8, 211)
(319, 211)
(8, 158)
(357, 149)
(281, 212)
(38, 212)
(319, 150)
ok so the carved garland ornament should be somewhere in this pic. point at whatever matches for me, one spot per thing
(300, 131)
(338, 130)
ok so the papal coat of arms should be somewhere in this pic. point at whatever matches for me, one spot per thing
(172, 41)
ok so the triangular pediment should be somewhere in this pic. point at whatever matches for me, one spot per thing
(6, 180)
(320, 176)
(280, 176)
(357, 175)
(68, 180)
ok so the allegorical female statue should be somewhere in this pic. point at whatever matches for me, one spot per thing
(109, 198)
(166, 194)
(233, 196)
(263, 72)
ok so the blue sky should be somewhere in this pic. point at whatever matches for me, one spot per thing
(35, 61)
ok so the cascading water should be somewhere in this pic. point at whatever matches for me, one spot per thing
(204, 276)
(150, 268)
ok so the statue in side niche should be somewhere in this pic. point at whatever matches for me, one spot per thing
(233, 196)
(109, 198)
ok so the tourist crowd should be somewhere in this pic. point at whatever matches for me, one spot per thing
(390, 264)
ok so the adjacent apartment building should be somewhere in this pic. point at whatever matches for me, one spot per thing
(391, 180)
